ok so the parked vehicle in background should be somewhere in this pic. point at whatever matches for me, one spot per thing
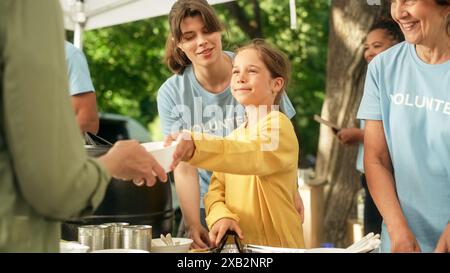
(114, 127)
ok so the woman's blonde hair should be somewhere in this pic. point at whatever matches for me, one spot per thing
(174, 57)
(275, 60)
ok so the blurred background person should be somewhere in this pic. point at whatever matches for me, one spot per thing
(382, 35)
(81, 89)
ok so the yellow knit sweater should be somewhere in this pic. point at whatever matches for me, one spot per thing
(254, 180)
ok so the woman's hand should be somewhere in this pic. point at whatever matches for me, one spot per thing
(403, 240)
(185, 147)
(200, 236)
(443, 245)
(221, 227)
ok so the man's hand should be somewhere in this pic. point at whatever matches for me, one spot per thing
(128, 160)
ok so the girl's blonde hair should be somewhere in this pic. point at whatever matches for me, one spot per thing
(174, 57)
(275, 60)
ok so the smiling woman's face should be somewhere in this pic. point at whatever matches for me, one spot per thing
(200, 45)
(377, 41)
(422, 21)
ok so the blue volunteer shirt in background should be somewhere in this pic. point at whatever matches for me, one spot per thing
(360, 156)
(184, 104)
(412, 99)
(78, 69)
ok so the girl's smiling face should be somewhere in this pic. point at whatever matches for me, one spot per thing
(251, 81)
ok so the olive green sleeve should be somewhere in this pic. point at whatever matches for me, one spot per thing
(53, 172)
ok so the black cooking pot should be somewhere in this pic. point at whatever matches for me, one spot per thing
(126, 202)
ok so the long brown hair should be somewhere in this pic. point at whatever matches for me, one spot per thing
(174, 57)
(275, 60)
(445, 3)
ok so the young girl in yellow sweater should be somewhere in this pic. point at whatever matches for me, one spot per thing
(255, 168)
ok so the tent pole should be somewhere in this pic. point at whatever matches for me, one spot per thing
(293, 13)
(78, 36)
(80, 19)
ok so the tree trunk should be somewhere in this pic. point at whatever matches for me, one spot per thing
(349, 24)
(251, 26)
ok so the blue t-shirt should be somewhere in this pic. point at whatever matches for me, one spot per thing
(412, 99)
(77, 67)
(184, 104)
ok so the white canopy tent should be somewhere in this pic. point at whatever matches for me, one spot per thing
(85, 15)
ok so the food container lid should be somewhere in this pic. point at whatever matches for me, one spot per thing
(138, 229)
(116, 227)
(92, 230)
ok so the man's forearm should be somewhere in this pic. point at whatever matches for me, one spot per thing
(85, 108)
(88, 123)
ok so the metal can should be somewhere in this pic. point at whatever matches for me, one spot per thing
(114, 235)
(137, 237)
(92, 236)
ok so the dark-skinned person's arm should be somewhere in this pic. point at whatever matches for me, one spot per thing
(350, 136)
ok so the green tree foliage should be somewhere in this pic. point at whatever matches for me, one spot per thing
(306, 47)
(127, 68)
(126, 63)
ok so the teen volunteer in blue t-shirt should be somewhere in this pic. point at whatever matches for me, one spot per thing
(198, 98)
